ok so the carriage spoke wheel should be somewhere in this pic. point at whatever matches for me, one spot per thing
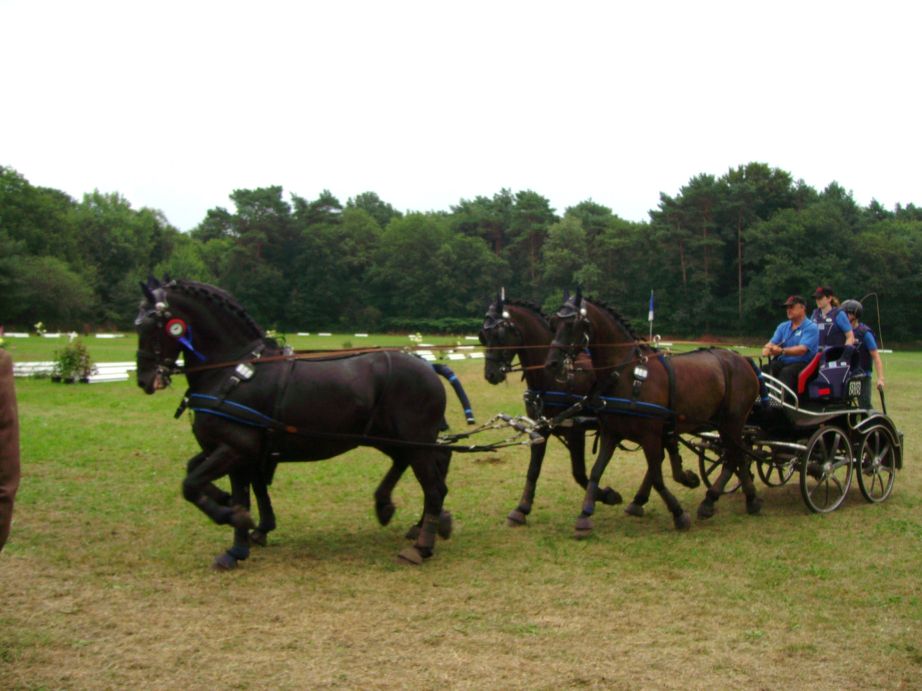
(876, 464)
(710, 463)
(775, 469)
(826, 470)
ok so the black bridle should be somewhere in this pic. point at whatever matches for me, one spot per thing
(500, 355)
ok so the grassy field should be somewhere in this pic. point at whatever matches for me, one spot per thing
(106, 582)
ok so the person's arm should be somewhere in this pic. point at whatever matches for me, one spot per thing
(878, 367)
(846, 327)
(773, 348)
(795, 350)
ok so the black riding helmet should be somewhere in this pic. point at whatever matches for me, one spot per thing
(852, 307)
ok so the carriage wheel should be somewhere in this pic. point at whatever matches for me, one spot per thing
(776, 469)
(876, 464)
(710, 463)
(826, 470)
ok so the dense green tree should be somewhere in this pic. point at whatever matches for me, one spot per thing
(371, 203)
(721, 253)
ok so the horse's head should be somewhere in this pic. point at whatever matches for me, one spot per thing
(159, 334)
(572, 332)
(501, 337)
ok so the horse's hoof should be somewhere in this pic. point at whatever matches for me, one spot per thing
(516, 519)
(412, 533)
(410, 555)
(583, 528)
(224, 562)
(706, 510)
(753, 506)
(682, 521)
(691, 479)
(240, 518)
(445, 525)
(633, 509)
(258, 537)
(609, 497)
(385, 512)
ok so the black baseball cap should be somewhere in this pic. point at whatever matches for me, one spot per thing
(793, 300)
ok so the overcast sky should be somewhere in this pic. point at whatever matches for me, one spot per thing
(176, 104)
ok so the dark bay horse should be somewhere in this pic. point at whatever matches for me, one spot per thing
(257, 405)
(651, 398)
(513, 328)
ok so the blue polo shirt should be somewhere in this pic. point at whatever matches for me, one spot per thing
(866, 345)
(807, 334)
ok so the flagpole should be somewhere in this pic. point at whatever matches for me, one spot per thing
(650, 316)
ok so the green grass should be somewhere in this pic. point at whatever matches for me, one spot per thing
(106, 579)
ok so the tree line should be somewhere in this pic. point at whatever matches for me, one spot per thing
(721, 254)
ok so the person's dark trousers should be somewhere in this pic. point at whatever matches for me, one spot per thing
(787, 373)
(9, 445)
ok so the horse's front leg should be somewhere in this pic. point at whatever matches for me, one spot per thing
(240, 550)
(519, 515)
(576, 443)
(607, 446)
(200, 476)
(211, 490)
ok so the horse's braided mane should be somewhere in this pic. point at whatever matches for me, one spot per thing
(529, 306)
(617, 317)
(220, 297)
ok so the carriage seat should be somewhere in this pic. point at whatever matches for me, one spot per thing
(828, 375)
(807, 373)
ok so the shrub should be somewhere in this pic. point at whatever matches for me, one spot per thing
(73, 363)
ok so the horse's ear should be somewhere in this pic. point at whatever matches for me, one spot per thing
(148, 293)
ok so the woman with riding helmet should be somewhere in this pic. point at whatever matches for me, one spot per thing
(834, 327)
(868, 354)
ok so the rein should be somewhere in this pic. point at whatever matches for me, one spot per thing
(237, 412)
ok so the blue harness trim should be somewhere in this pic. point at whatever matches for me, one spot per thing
(261, 420)
(610, 405)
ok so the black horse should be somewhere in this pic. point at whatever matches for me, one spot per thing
(513, 328)
(652, 398)
(257, 405)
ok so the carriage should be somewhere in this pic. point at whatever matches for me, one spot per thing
(818, 432)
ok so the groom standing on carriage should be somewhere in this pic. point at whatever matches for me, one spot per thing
(793, 344)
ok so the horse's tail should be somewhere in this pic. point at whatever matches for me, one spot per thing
(452, 378)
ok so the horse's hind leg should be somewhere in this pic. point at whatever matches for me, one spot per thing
(653, 450)
(687, 478)
(734, 464)
(384, 505)
(429, 469)
(266, 513)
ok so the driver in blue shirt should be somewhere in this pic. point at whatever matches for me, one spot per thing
(793, 344)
